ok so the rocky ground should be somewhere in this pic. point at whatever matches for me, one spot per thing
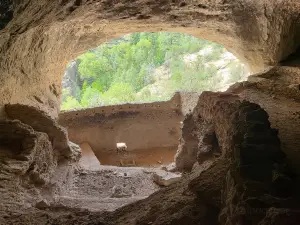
(101, 190)
(104, 189)
(87, 199)
(42, 172)
(240, 175)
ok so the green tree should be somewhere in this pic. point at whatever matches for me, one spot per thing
(119, 93)
(90, 97)
(123, 70)
(70, 103)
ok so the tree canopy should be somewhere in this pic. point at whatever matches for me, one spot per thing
(143, 67)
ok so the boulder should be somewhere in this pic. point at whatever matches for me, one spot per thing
(75, 151)
(164, 178)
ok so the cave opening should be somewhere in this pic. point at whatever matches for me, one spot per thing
(126, 104)
(137, 89)
(45, 181)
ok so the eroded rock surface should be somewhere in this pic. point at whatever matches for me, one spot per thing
(25, 151)
(32, 146)
(44, 35)
(27, 163)
(243, 173)
(198, 143)
(186, 154)
(41, 122)
(275, 92)
(250, 182)
(164, 178)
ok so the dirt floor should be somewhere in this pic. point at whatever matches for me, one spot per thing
(153, 157)
(105, 189)
(96, 187)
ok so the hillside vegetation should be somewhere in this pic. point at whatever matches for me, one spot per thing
(145, 67)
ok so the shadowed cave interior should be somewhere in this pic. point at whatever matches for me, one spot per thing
(237, 150)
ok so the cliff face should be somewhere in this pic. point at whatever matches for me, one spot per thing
(71, 81)
(44, 35)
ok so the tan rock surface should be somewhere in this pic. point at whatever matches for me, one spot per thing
(251, 172)
(164, 178)
(43, 35)
(251, 181)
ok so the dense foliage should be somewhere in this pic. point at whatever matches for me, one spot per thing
(143, 67)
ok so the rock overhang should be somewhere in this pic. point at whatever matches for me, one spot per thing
(42, 36)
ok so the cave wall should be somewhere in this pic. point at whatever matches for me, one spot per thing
(277, 91)
(32, 146)
(140, 126)
(249, 183)
(44, 35)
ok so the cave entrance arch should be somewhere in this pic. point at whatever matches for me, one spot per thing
(34, 52)
(137, 89)
(43, 35)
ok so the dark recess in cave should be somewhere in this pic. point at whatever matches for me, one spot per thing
(215, 144)
(6, 12)
(293, 59)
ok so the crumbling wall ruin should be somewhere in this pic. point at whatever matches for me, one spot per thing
(141, 126)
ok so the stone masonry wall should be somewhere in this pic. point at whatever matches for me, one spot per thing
(140, 126)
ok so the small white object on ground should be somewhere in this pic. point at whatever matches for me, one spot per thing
(121, 146)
